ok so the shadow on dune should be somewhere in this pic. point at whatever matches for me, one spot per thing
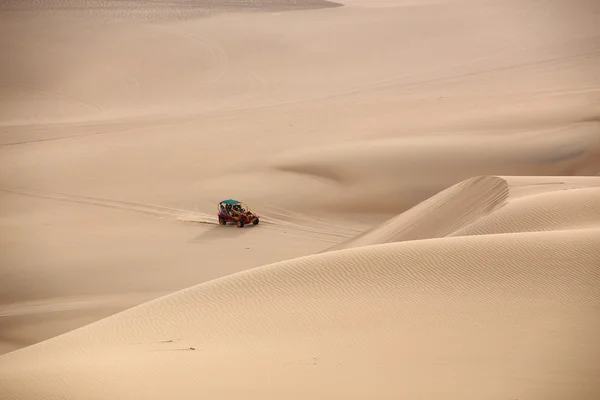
(394, 174)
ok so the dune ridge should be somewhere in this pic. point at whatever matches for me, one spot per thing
(493, 204)
(448, 150)
(521, 299)
(563, 209)
(437, 216)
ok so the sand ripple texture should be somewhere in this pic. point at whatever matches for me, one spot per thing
(487, 316)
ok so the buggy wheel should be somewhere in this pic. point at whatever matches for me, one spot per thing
(255, 222)
(222, 221)
(240, 223)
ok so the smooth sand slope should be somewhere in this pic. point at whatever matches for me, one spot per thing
(448, 149)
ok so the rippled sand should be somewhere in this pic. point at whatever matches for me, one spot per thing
(426, 174)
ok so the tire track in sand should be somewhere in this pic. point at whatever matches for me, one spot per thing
(78, 101)
(160, 211)
(148, 209)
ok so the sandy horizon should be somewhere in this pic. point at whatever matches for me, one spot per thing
(427, 176)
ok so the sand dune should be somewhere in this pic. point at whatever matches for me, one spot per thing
(426, 172)
(492, 204)
(414, 318)
(518, 305)
(153, 10)
(563, 209)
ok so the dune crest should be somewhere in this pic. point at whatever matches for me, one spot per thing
(440, 215)
(493, 204)
(417, 307)
(448, 150)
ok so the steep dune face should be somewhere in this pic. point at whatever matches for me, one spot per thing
(561, 209)
(451, 318)
(491, 204)
(439, 215)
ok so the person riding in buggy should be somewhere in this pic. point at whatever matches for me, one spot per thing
(237, 212)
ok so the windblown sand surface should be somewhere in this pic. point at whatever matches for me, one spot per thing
(427, 175)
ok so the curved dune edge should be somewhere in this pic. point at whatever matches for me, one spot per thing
(493, 204)
(328, 122)
(463, 317)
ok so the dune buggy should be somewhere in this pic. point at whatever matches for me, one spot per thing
(237, 212)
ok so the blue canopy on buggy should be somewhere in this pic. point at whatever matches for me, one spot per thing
(230, 202)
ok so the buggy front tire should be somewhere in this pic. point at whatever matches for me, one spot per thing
(240, 223)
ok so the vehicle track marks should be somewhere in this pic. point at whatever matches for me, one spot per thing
(87, 105)
(100, 132)
(160, 211)
(149, 209)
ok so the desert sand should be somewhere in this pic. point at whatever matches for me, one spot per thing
(427, 174)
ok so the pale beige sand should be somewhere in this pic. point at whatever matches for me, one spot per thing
(493, 204)
(498, 316)
(431, 140)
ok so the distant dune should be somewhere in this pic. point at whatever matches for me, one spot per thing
(427, 176)
(155, 10)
